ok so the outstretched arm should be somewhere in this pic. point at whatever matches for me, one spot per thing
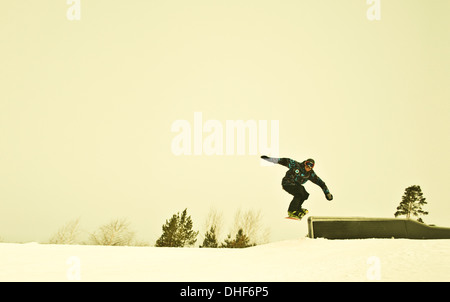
(287, 162)
(318, 181)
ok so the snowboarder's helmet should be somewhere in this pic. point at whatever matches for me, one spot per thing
(310, 162)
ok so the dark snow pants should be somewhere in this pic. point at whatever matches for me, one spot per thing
(299, 193)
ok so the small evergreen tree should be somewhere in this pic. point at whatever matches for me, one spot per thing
(185, 232)
(168, 237)
(412, 203)
(241, 241)
(210, 239)
(177, 232)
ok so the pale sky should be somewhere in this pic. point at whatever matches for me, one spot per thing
(87, 106)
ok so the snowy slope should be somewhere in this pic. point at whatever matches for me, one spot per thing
(293, 260)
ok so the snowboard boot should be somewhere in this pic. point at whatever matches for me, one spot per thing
(292, 214)
(302, 213)
(298, 214)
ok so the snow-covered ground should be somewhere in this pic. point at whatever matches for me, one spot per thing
(292, 260)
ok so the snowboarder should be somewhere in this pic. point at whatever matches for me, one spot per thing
(293, 181)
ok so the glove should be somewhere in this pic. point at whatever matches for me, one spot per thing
(329, 196)
(271, 159)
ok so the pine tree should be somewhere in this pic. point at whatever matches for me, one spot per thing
(168, 237)
(210, 239)
(186, 234)
(241, 241)
(177, 232)
(412, 203)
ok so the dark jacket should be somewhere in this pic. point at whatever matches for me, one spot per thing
(297, 173)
